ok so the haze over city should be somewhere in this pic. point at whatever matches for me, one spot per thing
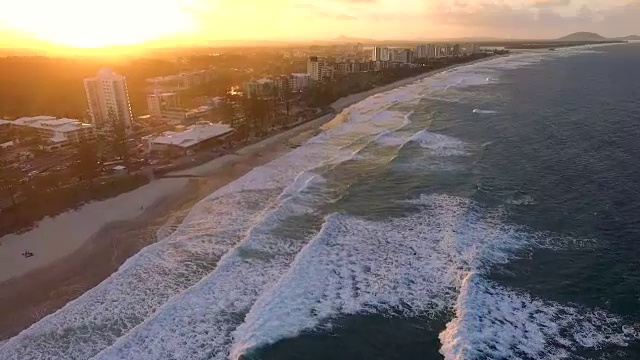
(64, 24)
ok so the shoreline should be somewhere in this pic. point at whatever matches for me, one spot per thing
(343, 103)
(40, 290)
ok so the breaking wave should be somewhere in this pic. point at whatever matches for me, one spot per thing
(410, 265)
(495, 323)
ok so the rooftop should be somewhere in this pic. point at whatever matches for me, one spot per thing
(193, 135)
(52, 123)
(106, 73)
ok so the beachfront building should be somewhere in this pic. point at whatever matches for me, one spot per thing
(108, 100)
(186, 141)
(52, 133)
(319, 70)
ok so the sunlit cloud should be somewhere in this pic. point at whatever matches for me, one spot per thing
(96, 23)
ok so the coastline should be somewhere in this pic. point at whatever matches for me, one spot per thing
(93, 255)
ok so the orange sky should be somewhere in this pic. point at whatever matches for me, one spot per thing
(98, 23)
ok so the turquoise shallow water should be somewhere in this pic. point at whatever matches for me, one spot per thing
(489, 212)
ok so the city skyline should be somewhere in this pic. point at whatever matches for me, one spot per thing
(96, 24)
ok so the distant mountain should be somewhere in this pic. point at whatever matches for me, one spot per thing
(630, 37)
(583, 36)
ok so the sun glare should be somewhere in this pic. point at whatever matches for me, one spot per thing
(95, 24)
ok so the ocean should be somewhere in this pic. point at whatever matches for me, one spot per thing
(487, 212)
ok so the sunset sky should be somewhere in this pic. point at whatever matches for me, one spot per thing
(98, 23)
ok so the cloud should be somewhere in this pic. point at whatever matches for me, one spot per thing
(538, 19)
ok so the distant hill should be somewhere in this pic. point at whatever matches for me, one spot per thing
(583, 36)
(630, 37)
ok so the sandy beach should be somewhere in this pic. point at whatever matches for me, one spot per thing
(75, 251)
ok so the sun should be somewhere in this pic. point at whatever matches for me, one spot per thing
(96, 24)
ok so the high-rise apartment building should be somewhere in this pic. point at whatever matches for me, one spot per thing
(318, 69)
(404, 56)
(108, 99)
(421, 51)
(382, 54)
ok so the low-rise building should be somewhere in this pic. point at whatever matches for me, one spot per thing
(54, 133)
(200, 137)
(299, 81)
(159, 102)
(181, 116)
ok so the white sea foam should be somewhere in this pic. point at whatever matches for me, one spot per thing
(495, 323)
(198, 323)
(437, 144)
(522, 200)
(411, 265)
(484, 112)
(209, 311)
